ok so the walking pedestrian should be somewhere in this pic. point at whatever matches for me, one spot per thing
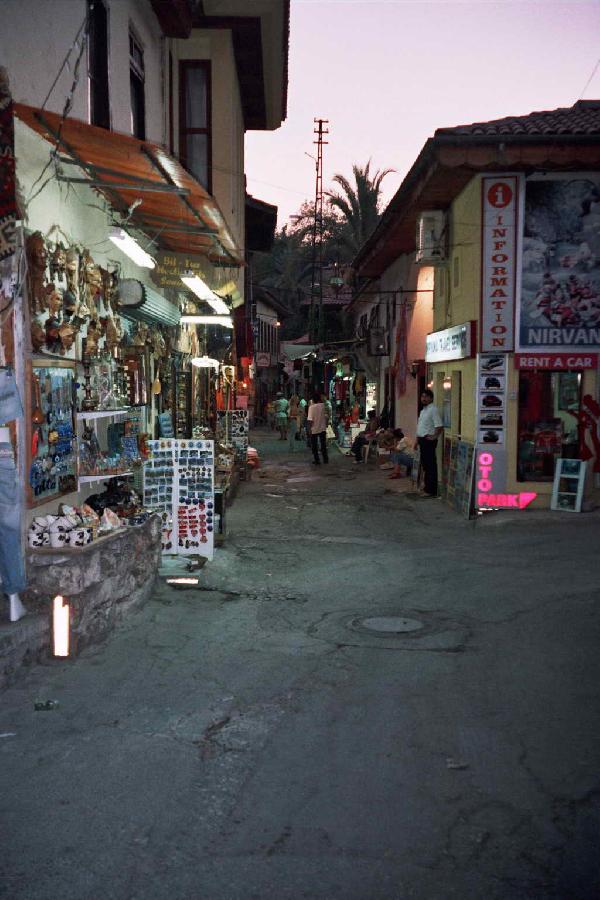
(429, 428)
(281, 416)
(318, 420)
(302, 420)
(294, 416)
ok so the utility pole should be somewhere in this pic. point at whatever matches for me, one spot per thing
(316, 325)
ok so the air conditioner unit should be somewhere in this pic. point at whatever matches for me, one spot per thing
(377, 344)
(142, 303)
(431, 227)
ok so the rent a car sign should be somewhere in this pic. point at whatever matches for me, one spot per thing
(556, 362)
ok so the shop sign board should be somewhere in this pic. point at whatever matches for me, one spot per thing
(491, 399)
(559, 298)
(263, 360)
(457, 342)
(556, 362)
(490, 478)
(499, 200)
(457, 481)
(171, 266)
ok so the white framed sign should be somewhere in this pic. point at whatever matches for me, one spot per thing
(499, 217)
(569, 481)
(457, 342)
(491, 399)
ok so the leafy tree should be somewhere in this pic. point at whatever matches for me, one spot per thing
(357, 206)
(349, 217)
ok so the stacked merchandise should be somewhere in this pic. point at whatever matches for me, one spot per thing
(232, 430)
(183, 427)
(179, 482)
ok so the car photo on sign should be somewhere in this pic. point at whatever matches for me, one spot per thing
(491, 436)
(492, 363)
(493, 382)
(492, 400)
(490, 418)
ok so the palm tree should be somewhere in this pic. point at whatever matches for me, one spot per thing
(357, 205)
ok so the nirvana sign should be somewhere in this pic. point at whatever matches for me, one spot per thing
(499, 250)
(559, 301)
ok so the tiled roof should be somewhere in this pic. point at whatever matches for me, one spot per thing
(583, 118)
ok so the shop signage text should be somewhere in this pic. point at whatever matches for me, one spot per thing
(556, 361)
(171, 266)
(485, 484)
(263, 360)
(498, 242)
(452, 343)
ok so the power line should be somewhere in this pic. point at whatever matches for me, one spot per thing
(588, 82)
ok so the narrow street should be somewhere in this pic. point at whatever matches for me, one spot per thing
(367, 698)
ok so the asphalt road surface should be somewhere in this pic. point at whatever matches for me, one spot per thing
(367, 698)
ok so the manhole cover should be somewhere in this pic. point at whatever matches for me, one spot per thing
(391, 629)
(390, 624)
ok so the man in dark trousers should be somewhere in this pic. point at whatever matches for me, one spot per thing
(318, 419)
(429, 428)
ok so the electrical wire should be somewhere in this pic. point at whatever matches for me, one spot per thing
(53, 159)
(589, 81)
(65, 61)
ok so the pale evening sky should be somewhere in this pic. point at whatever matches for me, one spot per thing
(387, 73)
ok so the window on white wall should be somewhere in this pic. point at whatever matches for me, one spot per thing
(195, 119)
(99, 103)
(137, 87)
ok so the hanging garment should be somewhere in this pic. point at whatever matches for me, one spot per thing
(10, 402)
(12, 565)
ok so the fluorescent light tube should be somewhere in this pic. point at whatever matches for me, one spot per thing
(202, 290)
(226, 321)
(205, 362)
(131, 248)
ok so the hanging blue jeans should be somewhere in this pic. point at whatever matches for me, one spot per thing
(12, 566)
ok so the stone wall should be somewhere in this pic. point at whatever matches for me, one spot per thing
(102, 582)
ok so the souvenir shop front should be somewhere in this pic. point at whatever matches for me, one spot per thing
(352, 392)
(117, 394)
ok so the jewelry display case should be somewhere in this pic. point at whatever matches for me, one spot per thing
(51, 464)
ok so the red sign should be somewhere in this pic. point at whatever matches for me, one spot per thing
(499, 198)
(485, 485)
(499, 195)
(555, 362)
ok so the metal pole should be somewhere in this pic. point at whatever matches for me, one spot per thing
(316, 319)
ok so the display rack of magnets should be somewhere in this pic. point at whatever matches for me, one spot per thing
(179, 482)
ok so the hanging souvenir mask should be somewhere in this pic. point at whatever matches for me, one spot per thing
(72, 270)
(36, 266)
(66, 334)
(92, 283)
(58, 261)
(38, 335)
(54, 301)
(92, 337)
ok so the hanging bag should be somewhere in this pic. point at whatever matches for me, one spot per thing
(10, 402)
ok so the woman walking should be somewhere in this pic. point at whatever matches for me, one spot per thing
(281, 416)
(294, 421)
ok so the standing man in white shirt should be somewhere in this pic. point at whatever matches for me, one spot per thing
(429, 428)
(318, 420)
